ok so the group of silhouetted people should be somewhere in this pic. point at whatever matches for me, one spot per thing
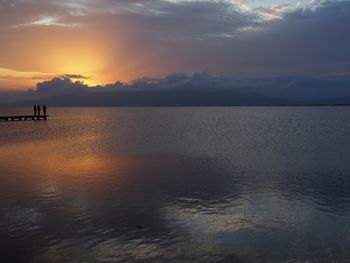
(37, 110)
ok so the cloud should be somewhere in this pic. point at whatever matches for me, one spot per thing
(50, 21)
(308, 42)
(199, 89)
(199, 80)
(75, 76)
(156, 37)
(210, 36)
(10, 73)
(60, 85)
(71, 13)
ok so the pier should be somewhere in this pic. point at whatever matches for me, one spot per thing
(24, 118)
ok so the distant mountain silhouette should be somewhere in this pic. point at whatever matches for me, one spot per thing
(158, 98)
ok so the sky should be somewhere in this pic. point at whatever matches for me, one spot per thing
(103, 41)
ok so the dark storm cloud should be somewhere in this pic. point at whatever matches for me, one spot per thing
(198, 89)
(60, 85)
(201, 81)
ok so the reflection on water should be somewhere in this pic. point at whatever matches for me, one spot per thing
(177, 185)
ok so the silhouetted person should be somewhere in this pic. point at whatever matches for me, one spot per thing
(35, 110)
(38, 109)
(44, 109)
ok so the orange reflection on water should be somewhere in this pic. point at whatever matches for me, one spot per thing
(65, 158)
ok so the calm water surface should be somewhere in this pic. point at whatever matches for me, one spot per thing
(240, 184)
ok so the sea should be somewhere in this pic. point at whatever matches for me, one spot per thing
(176, 184)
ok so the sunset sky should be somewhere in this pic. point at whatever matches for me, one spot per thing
(102, 41)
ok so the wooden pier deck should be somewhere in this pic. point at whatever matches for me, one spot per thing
(24, 118)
